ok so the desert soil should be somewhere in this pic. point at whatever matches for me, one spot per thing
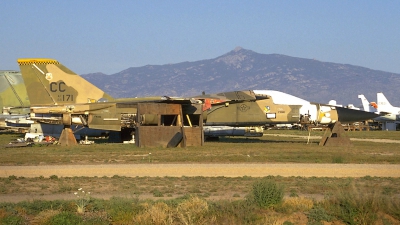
(188, 170)
(205, 170)
(194, 170)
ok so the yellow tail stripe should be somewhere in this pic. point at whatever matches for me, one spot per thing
(22, 62)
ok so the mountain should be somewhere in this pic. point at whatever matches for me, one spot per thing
(242, 69)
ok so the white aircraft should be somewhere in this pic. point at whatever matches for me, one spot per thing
(389, 115)
(366, 105)
(385, 107)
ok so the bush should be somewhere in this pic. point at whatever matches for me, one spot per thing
(159, 213)
(337, 159)
(355, 206)
(65, 218)
(44, 216)
(296, 204)
(193, 211)
(157, 193)
(12, 220)
(37, 206)
(122, 209)
(392, 207)
(317, 215)
(96, 218)
(267, 193)
(234, 212)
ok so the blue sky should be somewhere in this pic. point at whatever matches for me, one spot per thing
(109, 36)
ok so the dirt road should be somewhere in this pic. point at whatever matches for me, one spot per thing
(206, 170)
(319, 137)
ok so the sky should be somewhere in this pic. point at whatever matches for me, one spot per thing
(105, 36)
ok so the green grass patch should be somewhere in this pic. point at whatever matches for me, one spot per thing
(267, 149)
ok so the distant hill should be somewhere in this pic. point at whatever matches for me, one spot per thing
(242, 69)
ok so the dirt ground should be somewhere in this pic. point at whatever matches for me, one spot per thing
(186, 170)
(205, 170)
(191, 170)
(351, 139)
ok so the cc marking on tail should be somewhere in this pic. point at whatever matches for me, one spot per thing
(55, 87)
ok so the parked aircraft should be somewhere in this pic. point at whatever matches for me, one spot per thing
(13, 92)
(272, 107)
(59, 96)
(387, 114)
(367, 106)
(385, 107)
(15, 115)
(14, 102)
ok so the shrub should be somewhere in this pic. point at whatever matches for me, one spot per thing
(393, 207)
(193, 211)
(293, 193)
(337, 159)
(159, 213)
(65, 218)
(36, 206)
(288, 223)
(355, 206)
(267, 193)
(233, 212)
(12, 177)
(12, 220)
(96, 218)
(297, 204)
(122, 209)
(44, 216)
(318, 214)
(157, 193)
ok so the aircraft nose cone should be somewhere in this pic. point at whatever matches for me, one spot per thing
(351, 115)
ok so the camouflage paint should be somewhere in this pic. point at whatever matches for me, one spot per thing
(50, 83)
(12, 90)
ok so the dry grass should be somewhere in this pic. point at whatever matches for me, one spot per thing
(158, 214)
(296, 204)
(44, 216)
(363, 199)
(309, 191)
(174, 187)
(227, 150)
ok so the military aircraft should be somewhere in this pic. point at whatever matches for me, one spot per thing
(60, 96)
(14, 102)
(388, 115)
(13, 93)
(258, 107)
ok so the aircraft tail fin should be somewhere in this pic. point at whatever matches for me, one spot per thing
(383, 104)
(12, 90)
(48, 82)
(364, 102)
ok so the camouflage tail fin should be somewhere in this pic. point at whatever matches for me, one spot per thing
(48, 82)
(12, 90)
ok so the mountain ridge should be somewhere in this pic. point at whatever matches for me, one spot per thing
(242, 69)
